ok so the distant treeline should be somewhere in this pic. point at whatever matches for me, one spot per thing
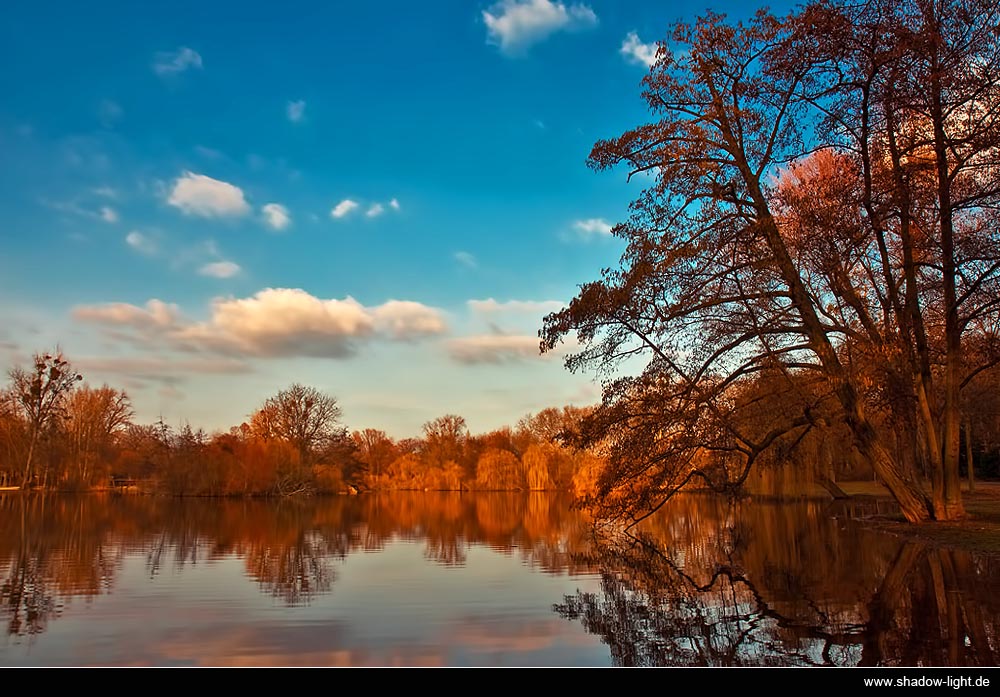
(56, 432)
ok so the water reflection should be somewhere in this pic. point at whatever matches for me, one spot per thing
(59, 547)
(712, 582)
(472, 579)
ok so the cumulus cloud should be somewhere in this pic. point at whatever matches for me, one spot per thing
(394, 204)
(220, 269)
(176, 62)
(275, 322)
(276, 216)
(343, 208)
(296, 110)
(514, 25)
(197, 194)
(592, 226)
(109, 214)
(375, 210)
(494, 349)
(291, 322)
(635, 51)
(407, 320)
(284, 322)
(466, 259)
(140, 243)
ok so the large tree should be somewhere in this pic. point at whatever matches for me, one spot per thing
(725, 279)
(94, 416)
(302, 416)
(40, 396)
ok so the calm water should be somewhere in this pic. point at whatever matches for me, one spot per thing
(483, 580)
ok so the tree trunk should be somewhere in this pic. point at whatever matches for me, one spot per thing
(968, 455)
(831, 487)
(28, 461)
(912, 499)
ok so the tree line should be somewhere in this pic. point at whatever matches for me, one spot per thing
(816, 255)
(57, 432)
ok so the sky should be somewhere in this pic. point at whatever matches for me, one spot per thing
(202, 203)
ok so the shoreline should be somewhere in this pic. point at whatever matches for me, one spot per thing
(978, 533)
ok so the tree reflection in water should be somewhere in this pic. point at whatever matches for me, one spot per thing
(58, 547)
(707, 582)
(715, 584)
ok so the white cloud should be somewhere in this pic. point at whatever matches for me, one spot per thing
(276, 216)
(291, 322)
(196, 194)
(375, 210)
(592, 226)
(494, 349)
(176, 62)
(296, 110)
(394, 204)
(105, 213)
(343, 208)
(141, 243)
(105, 191)
(465, 259)
(220, 269)
(514, 25)
(406, 320)
(635, 51)
(275, 322)
(156, 315)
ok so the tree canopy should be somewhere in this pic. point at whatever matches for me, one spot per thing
(817, 244)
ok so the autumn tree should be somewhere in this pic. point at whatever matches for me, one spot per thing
(908, 91)
(376, 450)
(13, 439)
(716, 286)
(302, 416)
(40, 395)
(498, 470)
(94, 416)
(308, 421)
(446, 439)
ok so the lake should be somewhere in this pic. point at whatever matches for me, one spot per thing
(448, 579)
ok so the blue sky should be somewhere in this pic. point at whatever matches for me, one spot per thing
(204, 202)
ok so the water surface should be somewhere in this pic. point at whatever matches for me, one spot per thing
(442, 579)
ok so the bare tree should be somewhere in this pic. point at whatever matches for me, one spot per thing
(41, 395)
(302, 416)
(94, 416)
